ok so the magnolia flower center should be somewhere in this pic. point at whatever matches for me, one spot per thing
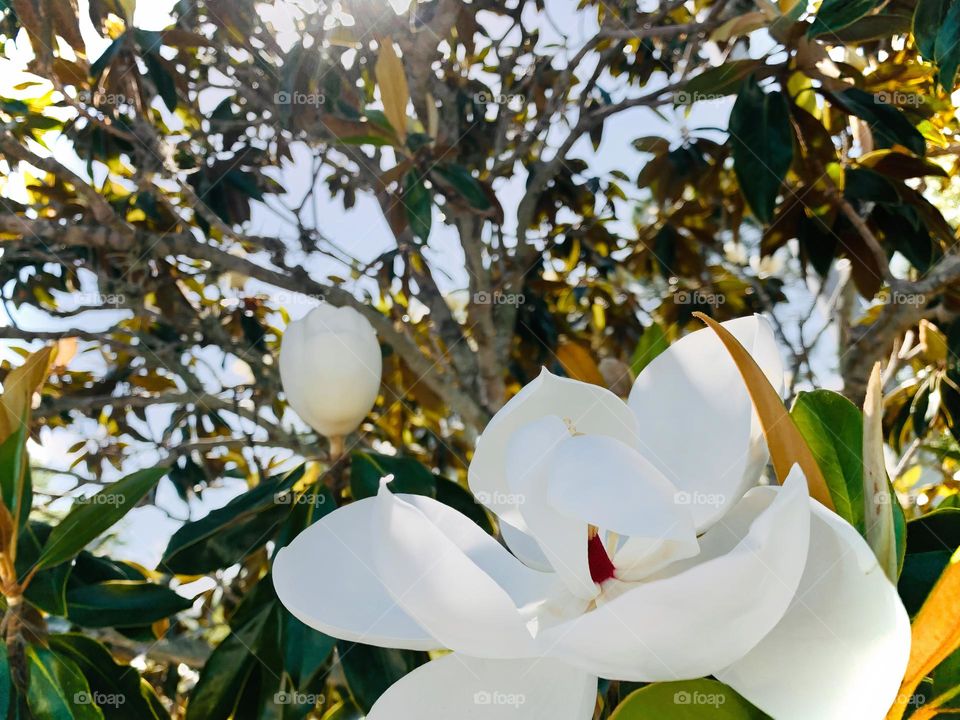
(601, 567)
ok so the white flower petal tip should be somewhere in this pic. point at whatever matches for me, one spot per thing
(587, 408)
(846, 634)
(330, 368)
(457, 687)
(694, 390)
(323, 573)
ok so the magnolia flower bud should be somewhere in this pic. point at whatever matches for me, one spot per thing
(330, 368)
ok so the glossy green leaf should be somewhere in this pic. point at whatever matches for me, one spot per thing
(15, 484)
(653, 342)
(57, 690)
(89, 518)
(887, 122)
(409, 476)
(371, 670)
(467, 186)
(927, 21)
(762, 140)
(833, 428)
(418, 205)
(108, 679)
(947, 48)
(123, 603)
(166, 87)
(48, 588)
(225, 536)
(836, 14)
(686, 700)
(931, 540)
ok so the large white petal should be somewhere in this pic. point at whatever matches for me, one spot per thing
(561, 535)
(842, 647)
(588, 408)
(524, 546)
(696, 419)
(454, 579)
(465, 688)
(325, 577)
(699, 618)
(613, 487)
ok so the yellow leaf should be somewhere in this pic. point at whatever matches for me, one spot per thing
(66, 349)
(578, 363)
(878, 501)
(934, 636)
(18, 389)
(393, 87)
(786, 444)
(740, 25)
(933, 343)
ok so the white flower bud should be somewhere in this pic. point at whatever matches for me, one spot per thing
(330, 367)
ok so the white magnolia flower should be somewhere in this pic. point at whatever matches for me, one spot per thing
(642, 550)
(330, 367)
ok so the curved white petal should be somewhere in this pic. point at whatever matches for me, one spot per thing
(524, 546)
(696, 419)
(466, 688)
(842, 648)
(709, 613)
(561, 535)
(454, 579)
(589, 408)
(612, 486)
(325, 577)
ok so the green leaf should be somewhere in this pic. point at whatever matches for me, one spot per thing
(931, 540)
(762, 140)
(225, 536)
(836, 14)
(123, 603)
(15, 484)
(833, 428)
(720, 80)
(371, 670)
(686, 700)
(108, 679)
(162, 79)
(947, 48)
(465, 184)
(6, 684)
(409, 476)
(57, 690)
(927, 21)
(101, 63)
(463, 501)
(48, 589)
(216, 694)
(418, 205)
(887, 122)
(92, 516)
(653, 342)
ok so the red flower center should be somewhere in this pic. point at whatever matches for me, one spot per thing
(601, 568)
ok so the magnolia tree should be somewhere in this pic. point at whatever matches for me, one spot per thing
(592, 360)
